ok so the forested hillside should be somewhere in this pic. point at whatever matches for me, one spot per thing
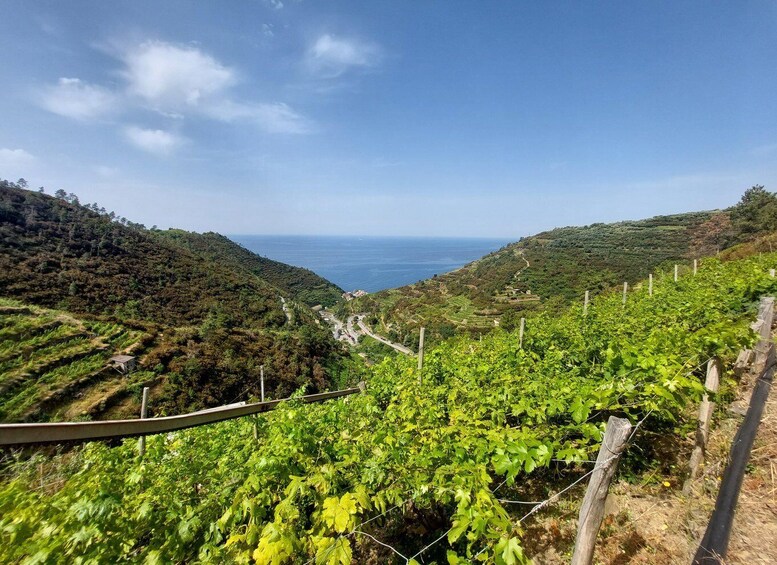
(216, 308)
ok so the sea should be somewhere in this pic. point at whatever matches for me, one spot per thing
(371, 263)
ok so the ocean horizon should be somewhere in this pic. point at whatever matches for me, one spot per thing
(371, 263)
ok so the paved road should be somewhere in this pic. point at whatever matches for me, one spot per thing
(368, 331)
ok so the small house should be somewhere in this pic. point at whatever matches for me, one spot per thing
(125, 364)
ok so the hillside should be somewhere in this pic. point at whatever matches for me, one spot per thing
(57, 253)
(216, 308)
(545, 270)
(467, 464)
(300, 284)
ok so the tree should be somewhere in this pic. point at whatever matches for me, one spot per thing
(61, 194)
(755, 213)
(21, 183)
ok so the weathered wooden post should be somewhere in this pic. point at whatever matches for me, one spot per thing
(520, 333)
(675, 272)
(143, 414)
(585, 303)
(711, 384)
(592, 511)
(695, 266)
(261, 378)
(625, 292)
(420, 354)
(763, 325)
(650, 284)
(771, 273)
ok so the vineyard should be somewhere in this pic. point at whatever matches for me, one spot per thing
(448, 466)
(55, 366)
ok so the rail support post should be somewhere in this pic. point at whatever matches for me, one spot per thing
(520, 333)
(420, 354)
(592, 511)
(585, 303)
(625, 292)
(711, 384)
(650, 284)
(143, 415)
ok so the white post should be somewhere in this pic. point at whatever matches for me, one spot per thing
(261, 376)
(143, 414)
(585, 303)
(675, 272)
(650, 284)
(695, 266)
(420, 354)
(771, 273)
(625, 291)
(520, 333)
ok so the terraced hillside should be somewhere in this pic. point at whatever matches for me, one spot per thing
(545, 270)
(54, 366)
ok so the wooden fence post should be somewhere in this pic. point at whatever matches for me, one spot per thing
(520, 333)
(675, 272)
(585, 303)
(772, 272)
(261, 376)
(763, 326)
(143, 414)
(695, 266)
(592, 511)
(625, 291)
(650, 284)
(711, 383)
(261, 397)
(420, 354)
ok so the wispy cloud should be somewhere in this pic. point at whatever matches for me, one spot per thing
(273, 118)
(73, 98)
(10, 158)
(155, 141)
(174, 81)
(330, 56)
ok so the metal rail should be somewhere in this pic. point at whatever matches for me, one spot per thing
(66, 432)
(714, 545)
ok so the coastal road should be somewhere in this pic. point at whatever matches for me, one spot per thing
(363, 327)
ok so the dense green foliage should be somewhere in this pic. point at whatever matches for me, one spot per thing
(300, 284)
(57, 253)
(413, 465)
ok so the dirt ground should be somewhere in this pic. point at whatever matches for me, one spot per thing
(650, 521)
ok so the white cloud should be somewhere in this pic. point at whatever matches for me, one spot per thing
(15, 157)
(73, 98)
(154, 141)
(271, 117)
(170, 76)
(277, 4)
(332, 56)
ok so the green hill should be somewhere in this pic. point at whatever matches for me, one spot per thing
(545, 270)
(216, 309)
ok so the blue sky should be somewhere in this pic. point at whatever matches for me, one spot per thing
(491, 119)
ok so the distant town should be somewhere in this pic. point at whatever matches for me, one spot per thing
(355, 294)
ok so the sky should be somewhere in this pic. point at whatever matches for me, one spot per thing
(481, 118)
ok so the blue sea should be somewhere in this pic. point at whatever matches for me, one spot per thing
(371, 263)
